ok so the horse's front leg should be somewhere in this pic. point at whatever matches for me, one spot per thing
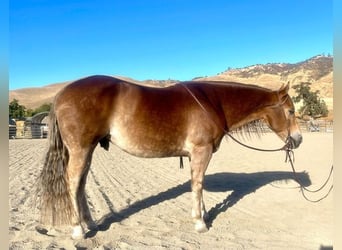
(200, 158)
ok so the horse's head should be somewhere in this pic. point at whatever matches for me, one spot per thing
(281, 118)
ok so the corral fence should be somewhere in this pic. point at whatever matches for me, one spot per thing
(12, 129)
(317, 126)
(37, 127)
(32, 128)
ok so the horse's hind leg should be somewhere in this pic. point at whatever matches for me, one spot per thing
(85, 214)
(78, 167)
(200, 158)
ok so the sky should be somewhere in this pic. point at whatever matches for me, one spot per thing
(64, 40)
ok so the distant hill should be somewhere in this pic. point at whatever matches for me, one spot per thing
(318, 70)
(32, 98)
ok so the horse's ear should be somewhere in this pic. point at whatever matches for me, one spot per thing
(284, 89)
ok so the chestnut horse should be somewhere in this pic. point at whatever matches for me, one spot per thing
(185, 119)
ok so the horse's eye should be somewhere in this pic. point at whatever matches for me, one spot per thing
(291, 112)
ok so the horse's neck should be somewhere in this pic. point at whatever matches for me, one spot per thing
(242, 105)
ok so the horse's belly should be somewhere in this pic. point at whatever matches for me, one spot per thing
(147, 145)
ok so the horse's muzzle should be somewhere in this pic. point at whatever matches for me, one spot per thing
(295, 140)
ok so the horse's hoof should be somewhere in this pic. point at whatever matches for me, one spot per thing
(201, 227)
(77, 233)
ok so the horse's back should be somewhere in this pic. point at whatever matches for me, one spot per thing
(97, 107)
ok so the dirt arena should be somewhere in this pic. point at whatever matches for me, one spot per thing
(252, 199)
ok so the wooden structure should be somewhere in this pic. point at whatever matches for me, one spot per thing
(33, 127)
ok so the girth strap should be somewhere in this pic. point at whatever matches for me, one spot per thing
(181, 162)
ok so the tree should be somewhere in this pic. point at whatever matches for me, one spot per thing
(16, 110)
(312, 105)
(42, 108)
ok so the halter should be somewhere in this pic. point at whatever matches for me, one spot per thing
(288, 148)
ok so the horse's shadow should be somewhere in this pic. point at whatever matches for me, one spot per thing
(241, 184)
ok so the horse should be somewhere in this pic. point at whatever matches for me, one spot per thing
(186, 119)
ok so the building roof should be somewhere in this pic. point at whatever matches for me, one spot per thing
(38, 118)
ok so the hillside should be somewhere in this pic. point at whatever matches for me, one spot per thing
(318, 70)
(32, 98)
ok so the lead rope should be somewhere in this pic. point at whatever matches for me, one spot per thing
(289, 156)
(257, 149)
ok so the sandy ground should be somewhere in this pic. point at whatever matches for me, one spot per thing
(252, 199)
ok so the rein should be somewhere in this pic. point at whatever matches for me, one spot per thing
(288, 152)
(290, 158)
(285, 147)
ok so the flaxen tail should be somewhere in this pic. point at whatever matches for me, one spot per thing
(53, 186)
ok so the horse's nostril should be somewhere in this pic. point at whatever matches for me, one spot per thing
(297, 140)
(300, 138)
